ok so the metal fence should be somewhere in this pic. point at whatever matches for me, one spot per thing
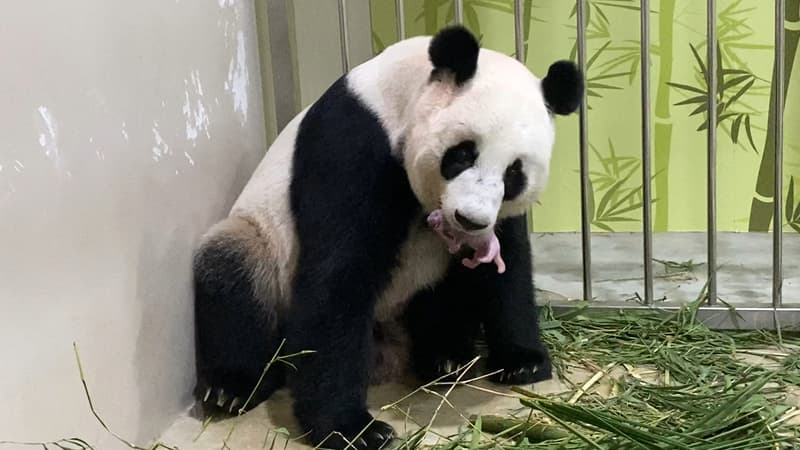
(774, 314)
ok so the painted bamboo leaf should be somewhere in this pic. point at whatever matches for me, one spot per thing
(792, 209)
(744, 89)
(610, 193)
(790, 201)
(688, 88)
(735, 128)
(747, 128)
(613, 185)
(690, 100)
(732, 85)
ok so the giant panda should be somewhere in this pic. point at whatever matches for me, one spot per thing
(384, 230)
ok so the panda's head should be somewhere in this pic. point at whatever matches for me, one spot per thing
(479, 133)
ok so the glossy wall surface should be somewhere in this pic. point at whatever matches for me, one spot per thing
(126, 129)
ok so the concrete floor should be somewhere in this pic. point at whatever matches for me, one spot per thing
(256, 429)
(744, 266)
(744, 277)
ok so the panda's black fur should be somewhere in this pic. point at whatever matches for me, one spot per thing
(352, 207)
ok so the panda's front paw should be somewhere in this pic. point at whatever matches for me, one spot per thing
(444, 368)
(520, 366)
(451, 369)
(374, 436)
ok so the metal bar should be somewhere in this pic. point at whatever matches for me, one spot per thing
(583, 138)
(343, 38)
(715, 317)
(519, 47)
(520, 55)
(711, 148)
(459, 11)
(647, 195)
(777, 220)
(401, 21)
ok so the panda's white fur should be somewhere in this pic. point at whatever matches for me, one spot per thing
(403, 111)
(264, 204)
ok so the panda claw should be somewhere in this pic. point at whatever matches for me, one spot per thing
(207, 395)
(221, 398)
(448, 366)
(235, 403)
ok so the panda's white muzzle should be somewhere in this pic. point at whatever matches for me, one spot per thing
(471, 201)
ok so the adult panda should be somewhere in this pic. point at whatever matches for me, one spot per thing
(359, 234)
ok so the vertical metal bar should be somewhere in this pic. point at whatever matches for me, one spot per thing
(343, 38)
(647, 195)
(401, 20)
(586, 243)
(519, 47)
(777, 220)
(711, 148)
(520, 55)
(459, 11)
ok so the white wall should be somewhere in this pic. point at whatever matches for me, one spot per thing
(126, 129)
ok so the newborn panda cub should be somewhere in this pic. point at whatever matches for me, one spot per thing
(384, 230)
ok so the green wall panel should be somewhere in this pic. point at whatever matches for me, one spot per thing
(745, 32)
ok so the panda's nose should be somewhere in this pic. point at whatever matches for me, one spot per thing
(469, 224)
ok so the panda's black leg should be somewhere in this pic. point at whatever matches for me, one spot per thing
(332, 318)
(235, 338)
(511, 321)
(443, 323)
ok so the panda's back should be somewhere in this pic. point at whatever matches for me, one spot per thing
(266, 205)
(261, 216)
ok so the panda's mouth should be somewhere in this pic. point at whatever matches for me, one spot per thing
(486, 245)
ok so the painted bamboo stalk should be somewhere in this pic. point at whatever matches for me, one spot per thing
(762, 203)
(663, 123)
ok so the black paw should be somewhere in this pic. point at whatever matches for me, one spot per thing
(217, 402)
(375, 437)
(444, 363)
(521, 366)
(223, 394)
(444, 369)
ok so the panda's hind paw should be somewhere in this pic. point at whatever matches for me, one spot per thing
(217, 403)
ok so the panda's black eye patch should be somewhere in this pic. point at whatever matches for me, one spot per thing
(514, 180)
(457, 159)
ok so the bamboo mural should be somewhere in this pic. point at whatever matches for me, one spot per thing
(761, 209)
(662, 130)
(744, 120)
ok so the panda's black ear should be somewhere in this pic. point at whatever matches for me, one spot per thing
(563, 87)
(455, 49)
